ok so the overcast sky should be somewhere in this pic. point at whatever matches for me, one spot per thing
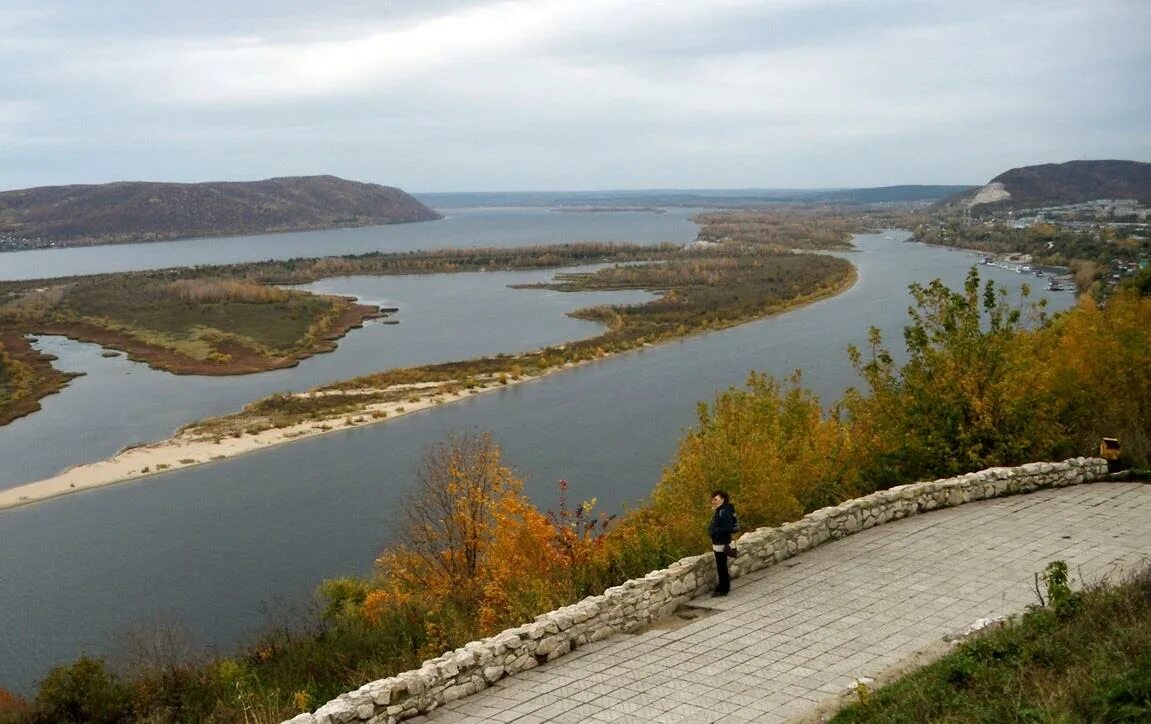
(446, 95)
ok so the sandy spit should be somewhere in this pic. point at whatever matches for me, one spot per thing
(186, 449)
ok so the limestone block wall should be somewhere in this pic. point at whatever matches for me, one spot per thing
(638, 602)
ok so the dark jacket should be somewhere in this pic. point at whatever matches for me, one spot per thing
(722, 524)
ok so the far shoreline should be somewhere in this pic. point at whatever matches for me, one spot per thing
(183, 450)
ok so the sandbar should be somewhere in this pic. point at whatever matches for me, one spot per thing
(187, 449)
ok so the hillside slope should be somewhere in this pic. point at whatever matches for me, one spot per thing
(1058, 184)
(703, 198)
(147, 211)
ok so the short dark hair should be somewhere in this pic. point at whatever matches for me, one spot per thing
(721, 493)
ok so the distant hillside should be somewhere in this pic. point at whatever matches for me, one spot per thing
(707, 198)
(145, 211)
(885, 194)
(1059, 184)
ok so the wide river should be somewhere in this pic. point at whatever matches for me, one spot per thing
(211, 549)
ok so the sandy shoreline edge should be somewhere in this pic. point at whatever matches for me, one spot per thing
(185, 449)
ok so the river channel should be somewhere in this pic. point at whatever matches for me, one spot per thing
(212, 547)
(442, 317)
(460, 227)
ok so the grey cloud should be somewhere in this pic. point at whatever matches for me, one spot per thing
(757, 94)
(132, 19)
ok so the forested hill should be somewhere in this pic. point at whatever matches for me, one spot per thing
(1058, 184)
(147, 211)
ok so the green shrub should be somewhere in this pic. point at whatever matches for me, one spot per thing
(1125, 698)
(84, 692)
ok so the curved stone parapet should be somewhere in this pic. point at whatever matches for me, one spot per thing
(639, 602)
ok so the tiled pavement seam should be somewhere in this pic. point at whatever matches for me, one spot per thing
(795, 634)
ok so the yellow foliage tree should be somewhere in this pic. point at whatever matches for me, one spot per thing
(770, 446)
(1097, 362)
(449, 521)
(15, 378)
(474, 547)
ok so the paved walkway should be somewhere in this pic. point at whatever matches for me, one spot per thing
(798, 633)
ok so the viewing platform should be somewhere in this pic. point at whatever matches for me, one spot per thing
(860, 592)
(798, 634)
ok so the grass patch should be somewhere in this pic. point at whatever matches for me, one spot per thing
(1082, 657)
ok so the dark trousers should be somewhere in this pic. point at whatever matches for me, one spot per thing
(724, 584)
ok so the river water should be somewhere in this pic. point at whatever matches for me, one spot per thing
(442, 317)
(211, 547)
(462, 227)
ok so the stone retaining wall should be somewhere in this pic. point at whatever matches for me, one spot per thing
(639, 602)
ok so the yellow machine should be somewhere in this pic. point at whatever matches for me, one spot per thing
(1109, 450)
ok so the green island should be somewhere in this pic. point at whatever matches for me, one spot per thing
(238, 319)
(219, 320)
(25, 377)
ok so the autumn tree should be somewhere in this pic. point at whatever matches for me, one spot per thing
(524, 572)
(966, 398)
(1086, 273)
(473, 553)
(450, 518)
(1097, 360)
(770, 445)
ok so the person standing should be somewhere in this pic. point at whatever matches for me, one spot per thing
(723, 524)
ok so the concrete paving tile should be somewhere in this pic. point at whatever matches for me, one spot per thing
(554, 711)
(689, 715)
(503, 717)
(743, 717)
(609, 716)
(603, 690)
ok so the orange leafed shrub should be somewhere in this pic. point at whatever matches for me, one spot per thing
(523, 571)
(473, 542)
(10, 703)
